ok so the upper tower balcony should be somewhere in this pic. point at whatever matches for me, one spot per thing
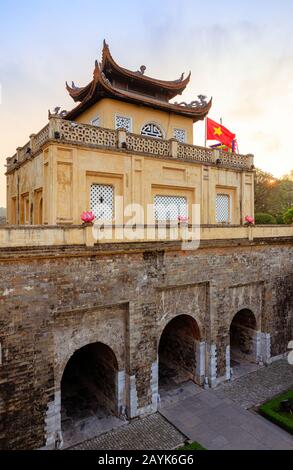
(61, 131)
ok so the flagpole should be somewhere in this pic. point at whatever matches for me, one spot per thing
(205, 132)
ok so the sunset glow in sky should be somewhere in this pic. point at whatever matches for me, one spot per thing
(240, 53)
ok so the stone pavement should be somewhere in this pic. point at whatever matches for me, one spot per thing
(259, 386)
(218, 419)
(153, 432)
(219, 423)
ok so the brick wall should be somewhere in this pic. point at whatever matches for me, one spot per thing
(55, 301)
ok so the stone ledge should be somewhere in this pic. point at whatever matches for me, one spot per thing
(16, 254)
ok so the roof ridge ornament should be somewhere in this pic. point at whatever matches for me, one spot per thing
(142, 69)
(57, 113)
(194, 104)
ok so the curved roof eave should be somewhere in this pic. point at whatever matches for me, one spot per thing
(173, 85)
(100, 81)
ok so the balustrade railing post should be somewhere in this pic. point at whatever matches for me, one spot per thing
(215, 155)
(173, 149)
(32, 143)
(18, 153)
(54, 126)
(250, 160)
(121, 138)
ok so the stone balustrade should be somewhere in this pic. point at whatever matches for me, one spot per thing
(61, 130)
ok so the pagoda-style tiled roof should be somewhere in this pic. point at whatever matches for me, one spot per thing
(112, 81)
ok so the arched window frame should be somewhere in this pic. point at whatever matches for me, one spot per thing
(154, 123)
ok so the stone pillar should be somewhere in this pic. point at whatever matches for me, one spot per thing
(155, 384)
(212, 364)
(228, 362)
(53, 433)
(89, 235)
(256, 346)
(120, 390)
(133, 409)
(132, 406)
(265, 347)
(200, 361)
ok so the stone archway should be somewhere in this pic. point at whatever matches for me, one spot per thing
(180, 353)
(244, 341)
(89, 393)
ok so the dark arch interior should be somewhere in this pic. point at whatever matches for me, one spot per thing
(242, 334)
(177, 352)
(88, 392)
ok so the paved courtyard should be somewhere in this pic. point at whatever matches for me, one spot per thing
(153, 432)
(257, 387)
(217, 419)
(221, 424)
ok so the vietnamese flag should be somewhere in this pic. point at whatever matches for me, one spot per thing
(218, 132)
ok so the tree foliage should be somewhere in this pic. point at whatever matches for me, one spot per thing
(288, 216)
(272, 195)
(264, 218)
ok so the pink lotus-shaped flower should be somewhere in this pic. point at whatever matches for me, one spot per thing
(87, 217)
(182, 218)
(249, 220)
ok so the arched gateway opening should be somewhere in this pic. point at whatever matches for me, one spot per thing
(89, 395)
(178, 353)
(243, 341)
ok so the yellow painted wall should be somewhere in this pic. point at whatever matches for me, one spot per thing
(24, 188)
(107, 109)
(65, 173)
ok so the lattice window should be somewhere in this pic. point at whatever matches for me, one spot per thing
(152, 130)
(95, 121)
(102, 201)
(223, 208)
(170, 207)
(180, 135)
(122, 122)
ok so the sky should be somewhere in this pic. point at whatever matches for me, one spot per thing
(239, 52)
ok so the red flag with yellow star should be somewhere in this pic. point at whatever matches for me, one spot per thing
(218, 132)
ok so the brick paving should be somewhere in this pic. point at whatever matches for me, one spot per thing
(151, 433)
(259, 386)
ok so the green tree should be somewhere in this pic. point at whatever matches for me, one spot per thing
(288, 216)
(272, 195)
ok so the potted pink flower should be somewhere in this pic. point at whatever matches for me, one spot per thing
(249, 220)
(87, 217)
(182, 220)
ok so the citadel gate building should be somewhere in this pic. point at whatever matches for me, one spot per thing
(107, 323)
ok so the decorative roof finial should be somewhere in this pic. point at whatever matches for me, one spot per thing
(142, 69)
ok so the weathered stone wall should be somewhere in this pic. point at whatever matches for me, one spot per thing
(55, 301)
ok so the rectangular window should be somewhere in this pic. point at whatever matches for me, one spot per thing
(223, 209)
(13, 219)
(122, 122)
(180, 135)
(25, 209)
(95, 121)
(170, 207)
(102, 201)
